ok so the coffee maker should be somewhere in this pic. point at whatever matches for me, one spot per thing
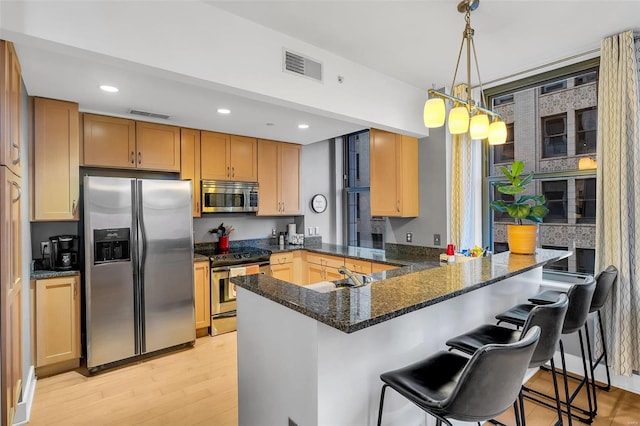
(64, 252)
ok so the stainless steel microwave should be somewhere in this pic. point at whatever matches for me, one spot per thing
(229, 197)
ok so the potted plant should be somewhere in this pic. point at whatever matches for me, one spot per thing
(521, 237)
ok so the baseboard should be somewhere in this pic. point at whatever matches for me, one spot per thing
(23, 410)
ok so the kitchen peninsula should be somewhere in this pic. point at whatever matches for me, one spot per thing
(312, 358)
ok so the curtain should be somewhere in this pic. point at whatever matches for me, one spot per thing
(461, 188)
(618, 196)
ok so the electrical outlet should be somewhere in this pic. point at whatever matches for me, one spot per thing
(44, 248)
(409, 237)
(317, 230)
(436, 239)
(274, 232)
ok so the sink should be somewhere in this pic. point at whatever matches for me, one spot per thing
(328, 286)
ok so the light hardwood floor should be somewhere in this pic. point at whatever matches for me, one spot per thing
(199, 387)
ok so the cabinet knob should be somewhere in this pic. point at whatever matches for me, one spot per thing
(233, 172)
(139, 157)
(398, 205)
(17, 148)
(133, 157)
(74, 207)
(228, 171)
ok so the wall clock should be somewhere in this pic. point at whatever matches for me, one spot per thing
(319, 203)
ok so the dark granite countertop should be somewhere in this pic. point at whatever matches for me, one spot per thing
(396, 292)
(48, 273)
(374, 255)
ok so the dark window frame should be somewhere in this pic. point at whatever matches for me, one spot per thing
(549, 138)
(589, 134)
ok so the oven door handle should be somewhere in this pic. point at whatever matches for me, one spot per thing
(229, 267)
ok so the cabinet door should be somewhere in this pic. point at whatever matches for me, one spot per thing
(409, 180)
(214, 155)
(244, 159)
(56, 160)
(10, 108)
(283, 272)
(158, 147)
(315, 273)
(202, 281)
(109, 141)
(385, 199)
(57, 320)
(379, 267)
(190, 164)
(358, 266)
(289, 169)
(11, 294)
(332, 274)
(268, 201)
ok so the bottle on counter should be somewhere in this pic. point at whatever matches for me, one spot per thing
(451, 253)
(281, 240)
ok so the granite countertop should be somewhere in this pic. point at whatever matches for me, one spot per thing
(48, 273)
(396, 292)
(374, 255)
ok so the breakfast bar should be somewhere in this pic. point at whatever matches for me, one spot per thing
(314, 358)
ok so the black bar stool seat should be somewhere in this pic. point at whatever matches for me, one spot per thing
(448, 385)
(516, 315)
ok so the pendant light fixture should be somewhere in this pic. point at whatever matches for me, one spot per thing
(466, 115)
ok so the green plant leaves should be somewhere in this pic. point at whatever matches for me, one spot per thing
(530, 207)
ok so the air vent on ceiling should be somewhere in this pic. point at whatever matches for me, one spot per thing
(149, 114)
(296, 63)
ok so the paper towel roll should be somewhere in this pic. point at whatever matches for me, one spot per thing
(291, 231)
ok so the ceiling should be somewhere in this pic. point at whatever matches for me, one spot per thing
(413, 41)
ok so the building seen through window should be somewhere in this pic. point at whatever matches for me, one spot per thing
(552, 126)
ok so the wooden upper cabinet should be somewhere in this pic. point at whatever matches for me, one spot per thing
(190, 164)
(55, 183)
(278, 178)
(128, 144)
(394, 174)
(10, 108)
(157, 146)
(214, 155)
(228, 157)
(109, 141)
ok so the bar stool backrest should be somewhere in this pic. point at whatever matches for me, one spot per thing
(491, 380)
(604, 283)
(580, 296)
(550, 319)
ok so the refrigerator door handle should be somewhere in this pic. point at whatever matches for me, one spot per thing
(137, 303)
(142, 257)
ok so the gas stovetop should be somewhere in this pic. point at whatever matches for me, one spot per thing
(236, 256)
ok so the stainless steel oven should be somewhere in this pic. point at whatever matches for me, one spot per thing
(237, 261)
(228, 197)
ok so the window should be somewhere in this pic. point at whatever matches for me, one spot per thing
(589, 77)
(556, 194)
(362, 229)
(504, 153)
(560, 265)
(586, 200)
(541, 105)
(554, 86)
(586, 130)
(585, 260)
(554, 136)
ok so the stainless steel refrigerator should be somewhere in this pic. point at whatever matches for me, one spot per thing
(138, 242)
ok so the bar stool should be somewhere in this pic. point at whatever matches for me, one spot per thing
(604, 283)
(549, 318)
(448, 385)
(579, 296)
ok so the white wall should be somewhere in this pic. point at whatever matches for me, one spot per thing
(433, 177)
(246, 226)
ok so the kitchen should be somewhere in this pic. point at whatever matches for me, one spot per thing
(315, 177)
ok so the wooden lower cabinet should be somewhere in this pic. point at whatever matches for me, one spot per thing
(282, 267)
(57, 323)
(202, 292)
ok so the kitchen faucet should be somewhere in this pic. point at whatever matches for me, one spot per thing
(366, 279)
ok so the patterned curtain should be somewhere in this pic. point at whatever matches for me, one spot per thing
(461, 190)
(618, 196)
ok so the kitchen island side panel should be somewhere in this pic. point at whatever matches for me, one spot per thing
(346, 367)
(277, 359)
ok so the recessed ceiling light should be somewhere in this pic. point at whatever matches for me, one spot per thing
(110, 89)
(303, 126)
(270, 124)
(224, 111)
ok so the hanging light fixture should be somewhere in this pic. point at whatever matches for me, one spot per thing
(467, 115)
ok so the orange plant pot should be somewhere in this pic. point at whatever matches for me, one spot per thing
(522, 238)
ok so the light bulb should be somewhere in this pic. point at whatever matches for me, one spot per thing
(458, 120)
(497, 133)
(434, 112)
(479, 127)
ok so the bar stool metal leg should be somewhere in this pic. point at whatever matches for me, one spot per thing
(603, 354)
